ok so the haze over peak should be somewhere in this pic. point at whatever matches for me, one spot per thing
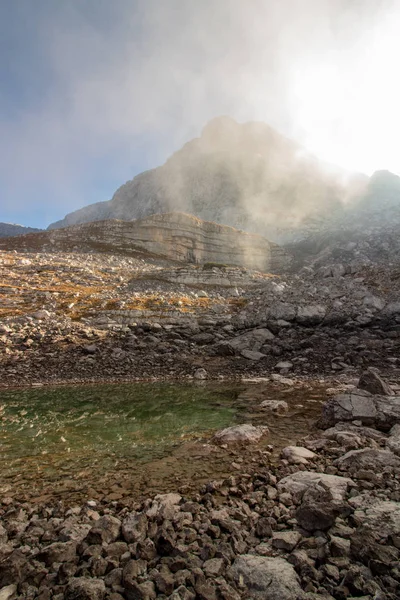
(245, 175)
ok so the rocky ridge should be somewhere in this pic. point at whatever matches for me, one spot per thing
(174, 236)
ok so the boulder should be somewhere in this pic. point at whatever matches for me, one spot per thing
(278, 407)
(312, 314)
(252, 355)
(240, 434)
(251, 340)
(372, 383)
(264, 577)
(134, 527)
(320, 506)
(164, 506)
(299, 482)
(380, 411)
(297, 455)
(393, 441)
(83, 588)
(282, 311)
(368, 458)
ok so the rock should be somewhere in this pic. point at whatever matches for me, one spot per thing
(83, 588)
(264, 577)
(252, 340)
(252, 355)
(372, 383)
(8, 592)
(41, 314)
(200, 374)
(320, 506)
(381, 411)
(279, 407)
(57, 553)
(368, 458)
(213, 567)
(283, 380)
(299, 482)
(297, 455)
(284, 365)
(334, 433)
(134, 527)
(311, 314)
(239, 434)
(286, 540)
(393, 442)
(282, 311)
(164, 506)
(107, 529)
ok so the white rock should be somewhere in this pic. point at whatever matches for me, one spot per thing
(297, 454)
(240, 433)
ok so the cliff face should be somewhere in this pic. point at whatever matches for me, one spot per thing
(246, 176)
(175, 236)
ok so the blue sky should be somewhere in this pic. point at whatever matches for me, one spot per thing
(93, 92)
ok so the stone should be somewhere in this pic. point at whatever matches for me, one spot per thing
(200, 374)
(282, 311)
(298, 483)
(251, 340)
(83, 588)
(311, 314)
(213, 567)
(164, 506)
(284, 365)
(286, 540)
(319, 507)
(372, 383)
(8, 592)
(58, 552)
(380, 411)
(239, 434)
(252, 355)
(278, 407)
(134, 527)
(106, 529)
(264, 577)
(368, 458)
(297, 455)
(393, 441)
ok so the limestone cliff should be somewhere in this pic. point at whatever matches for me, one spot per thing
(175, 236)
(246, 176)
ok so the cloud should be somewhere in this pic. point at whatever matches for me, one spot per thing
(124, 84)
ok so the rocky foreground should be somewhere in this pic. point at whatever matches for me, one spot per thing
(68, 317)
(322, 523)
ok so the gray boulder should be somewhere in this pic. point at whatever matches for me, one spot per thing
(368, 458)
(251, 340)
(297, 484)
(311, 314)
(264, 577)
(381, 412)
(393, 441)
(372, 383)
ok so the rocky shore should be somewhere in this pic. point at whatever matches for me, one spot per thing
(320, 521)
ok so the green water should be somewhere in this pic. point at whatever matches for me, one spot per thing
(93, 423)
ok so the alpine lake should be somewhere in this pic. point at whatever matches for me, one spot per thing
(117, 442)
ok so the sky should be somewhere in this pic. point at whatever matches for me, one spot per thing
(92, 92)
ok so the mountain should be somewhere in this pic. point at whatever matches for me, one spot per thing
(244, 175)
(9, 230)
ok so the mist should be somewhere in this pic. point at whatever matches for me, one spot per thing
(95, 92)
